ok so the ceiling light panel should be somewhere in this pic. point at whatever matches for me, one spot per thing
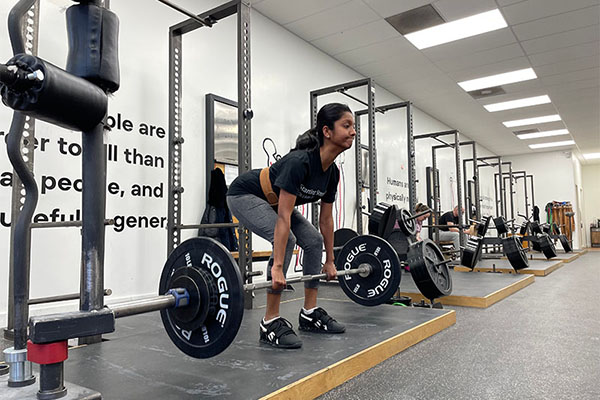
(591, 156)
(499, 79)
(531, 121)
(552, 144)
(459, 29)
(536, 135)
(526, 102)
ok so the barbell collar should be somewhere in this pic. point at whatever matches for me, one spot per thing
(363, 270)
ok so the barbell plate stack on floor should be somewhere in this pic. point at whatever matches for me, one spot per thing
(515, 253)
(472, 252)
(547, 245)
(565, 243)
(382, 220)
(429, 269)
(340, 238)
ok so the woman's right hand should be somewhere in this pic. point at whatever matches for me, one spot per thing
(277, 278)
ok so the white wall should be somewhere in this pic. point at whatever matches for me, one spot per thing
(591, 197)
(284, 70)
(554, 180)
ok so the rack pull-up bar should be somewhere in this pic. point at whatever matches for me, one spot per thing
(443, 142)
(190, 14)
(343, 91)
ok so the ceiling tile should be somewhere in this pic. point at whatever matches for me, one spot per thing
(361, 36)
(557, 23)
(286, 11)
(378, 51)
(333, 20)
(491, 69)
(535, 9)
(568, 66)
(387, 8)
(563, 39)
(574, 76)
(565, 53)
(572, 86)
(398, 64)
(468, 46)
(481, 58)
(452, 10)
(503, 3)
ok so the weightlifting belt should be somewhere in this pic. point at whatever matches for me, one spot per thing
(265, 185)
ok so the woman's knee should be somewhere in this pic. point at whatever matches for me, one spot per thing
(314, 241)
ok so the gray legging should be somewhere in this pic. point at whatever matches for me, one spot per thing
(259, 217)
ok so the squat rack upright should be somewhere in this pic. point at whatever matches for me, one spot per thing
(436, 187)
(359, 147)
(245, 114)
(482, 162)
(371, 148)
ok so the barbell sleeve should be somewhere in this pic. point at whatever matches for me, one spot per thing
(362, 269)
(174, 298)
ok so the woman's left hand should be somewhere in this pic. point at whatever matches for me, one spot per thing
(330, 270)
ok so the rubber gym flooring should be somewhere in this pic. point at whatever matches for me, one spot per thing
(542, 342)
(139, 361)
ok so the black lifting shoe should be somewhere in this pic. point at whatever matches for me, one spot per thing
(319, 321)
(279, 333)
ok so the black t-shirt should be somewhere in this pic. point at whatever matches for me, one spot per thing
(299, 172)
(448, 217)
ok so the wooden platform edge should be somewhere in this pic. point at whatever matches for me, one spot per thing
(510, 270)
(328, 378)
(507, 291)
(461, 301)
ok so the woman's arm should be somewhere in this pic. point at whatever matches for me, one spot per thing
(281, 235)
(326, 227)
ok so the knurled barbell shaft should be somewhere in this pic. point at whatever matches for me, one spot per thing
(362, 269)
(168, 300)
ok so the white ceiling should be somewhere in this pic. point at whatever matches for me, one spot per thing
(559, 39)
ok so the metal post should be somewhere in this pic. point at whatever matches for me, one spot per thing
(410, 144)
(458, 187)
(29, 36)
(532, 191)
(372, 146)
(496, 200)
(436, 194)
(501, 188)
(175, 141)
(92, 231)
(314, 107)
(244, 130)
(358, 170)
(477, 188)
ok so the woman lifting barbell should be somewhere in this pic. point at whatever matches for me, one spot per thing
(264, 200)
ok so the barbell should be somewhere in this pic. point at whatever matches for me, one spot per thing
(368, 271)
